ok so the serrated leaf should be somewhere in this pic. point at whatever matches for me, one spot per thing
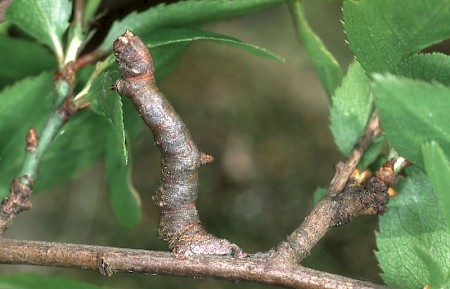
(438, 170)
(415, 217)
(435, 270)
(383, 33)
(31, 281)
(109, 107)
(351, 107)
(177, 35)
(184, 13)
(428, 67)
(411, 113)
(327, 67)
(20, 58)
(107, 102)
(79, 144)
(45, 20)
(89, 11)
(372, 152)
(25, 104)
(165, 58)
(124, 198)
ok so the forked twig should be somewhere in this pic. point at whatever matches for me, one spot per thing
(202, 254)
(36, 145)
(344, 170)
(346, 199)
(108, 260)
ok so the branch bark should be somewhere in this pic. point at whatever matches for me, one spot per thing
(197, 253)
(108, 260)
(344, 170)
(22, 186)
(355, 200)
(180, 160)
(345, 200)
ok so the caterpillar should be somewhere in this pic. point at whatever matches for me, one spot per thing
(180, 158)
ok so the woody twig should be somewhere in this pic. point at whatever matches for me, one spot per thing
(197, 253)
(22, 186)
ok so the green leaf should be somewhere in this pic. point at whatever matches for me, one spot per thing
(352, 105)
(45, 20)
(383, 33)
(184, 13)
(177, 35)
(415, 217)
(124, 199)
(28, 104)
(165, 58)
(32, 281)
(25, 104)
(319, 193)
(327, 67)
(132, 121)
(89, 11)
(428, 67)
(435, 270)
(372, 153)
(20, 58)
(79, 144)
(75, 41)
(438, 170)
(107, 102)
(412, 113)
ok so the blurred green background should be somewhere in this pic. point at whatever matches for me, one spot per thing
(266, 124)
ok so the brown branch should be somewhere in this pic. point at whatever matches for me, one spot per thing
(179, 224)
(14, 203)
(107, 261)
(79, 11)
(89, 58)
(197, 253)
(355, 200)
(344, 170)
(180, 158)
(345, 200)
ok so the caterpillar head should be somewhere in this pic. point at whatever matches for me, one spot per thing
(132, 55)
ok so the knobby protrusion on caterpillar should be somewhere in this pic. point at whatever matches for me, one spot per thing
(206, 159)
(180, 158)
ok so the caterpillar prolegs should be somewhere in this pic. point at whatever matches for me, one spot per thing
(180, 158)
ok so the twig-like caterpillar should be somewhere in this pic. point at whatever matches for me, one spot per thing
(180, 158)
